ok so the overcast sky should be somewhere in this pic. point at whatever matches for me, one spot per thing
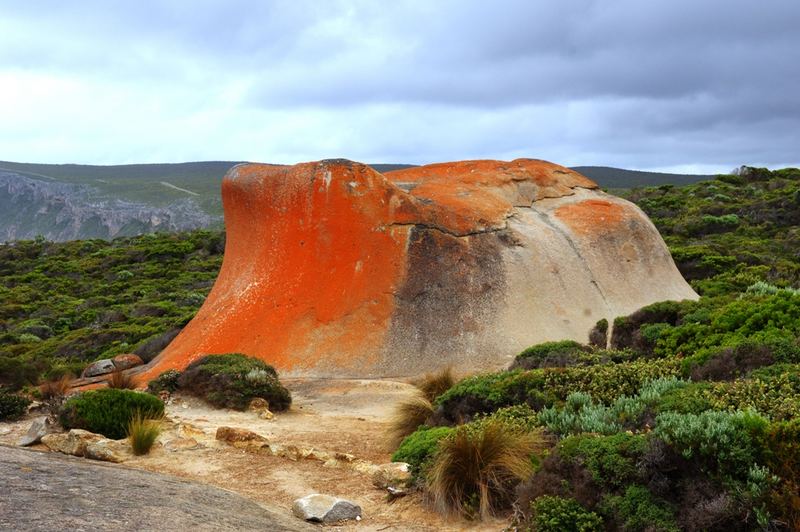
(680, 85)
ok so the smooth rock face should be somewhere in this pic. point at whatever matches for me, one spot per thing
(40, 427)
(101, 367)
(333, 269)
(325, 509)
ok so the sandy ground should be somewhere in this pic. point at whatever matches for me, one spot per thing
(346, 416)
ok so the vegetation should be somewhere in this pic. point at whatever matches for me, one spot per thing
(12, 406)
(233, 380)
(109, 411)
(93, 299)
(689, 421)
(477, 466)
(143, 431)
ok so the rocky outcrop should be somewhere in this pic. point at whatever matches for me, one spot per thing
(64, 211)
(79, 442)
(333, 269)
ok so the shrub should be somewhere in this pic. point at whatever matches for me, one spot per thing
(233, 380)
(637, 509)
(559, 514)
(166, 381)
(12, 406)
(418, 448)
(408, 415)
(480, 466)
(143, 432)
(435, 384)
(581, 414)
(550, 354)
(598, 336)
(729, 441)
(611, 460)
(109, 411)
(544, 387)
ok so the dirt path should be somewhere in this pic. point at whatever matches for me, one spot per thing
(346, 416)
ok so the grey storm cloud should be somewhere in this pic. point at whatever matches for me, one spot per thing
(683, 85)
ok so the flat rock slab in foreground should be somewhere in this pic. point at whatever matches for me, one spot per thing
(48, 491)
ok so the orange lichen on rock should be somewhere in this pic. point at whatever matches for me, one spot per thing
(333, 269)
(593, 216)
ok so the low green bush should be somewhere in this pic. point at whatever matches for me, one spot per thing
(637, 509)
(545, 387)
(109, 411)
(611, 460)
(165, 382)
(730, 441)
(550, 354)
(12, 406)
(419, 447)
(233, 380)
(560, 514)
(581, 414)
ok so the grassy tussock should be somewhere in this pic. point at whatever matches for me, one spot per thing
(121, 381)
(475, 470)
(57, 388)
(408, 415)
(435, 384)
(143, 433)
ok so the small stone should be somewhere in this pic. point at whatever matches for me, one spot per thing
(258, 404)
(107, 451)
(182, 444)
(266, 414)
(101, 367)
(127, 361)
(40, 427)
(187, 430)
(325, 509)
(391, 475)
(236, 435)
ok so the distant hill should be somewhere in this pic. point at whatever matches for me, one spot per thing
(75, 201)
(608, 177)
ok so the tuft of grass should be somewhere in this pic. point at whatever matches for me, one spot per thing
(477, 467)
(409, 415)
(143, 432)
(57, 388)
(119, 380)
(435, 384)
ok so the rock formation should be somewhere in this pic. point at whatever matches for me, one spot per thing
(333, 269)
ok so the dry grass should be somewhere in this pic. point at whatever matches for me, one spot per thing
(407, 417)
(57, 388)
(121, 381)
(143, 433)
(475, 471)
(435, 384)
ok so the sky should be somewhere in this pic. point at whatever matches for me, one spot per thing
(677, 85)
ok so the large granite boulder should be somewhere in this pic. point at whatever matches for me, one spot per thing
(333, 269)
